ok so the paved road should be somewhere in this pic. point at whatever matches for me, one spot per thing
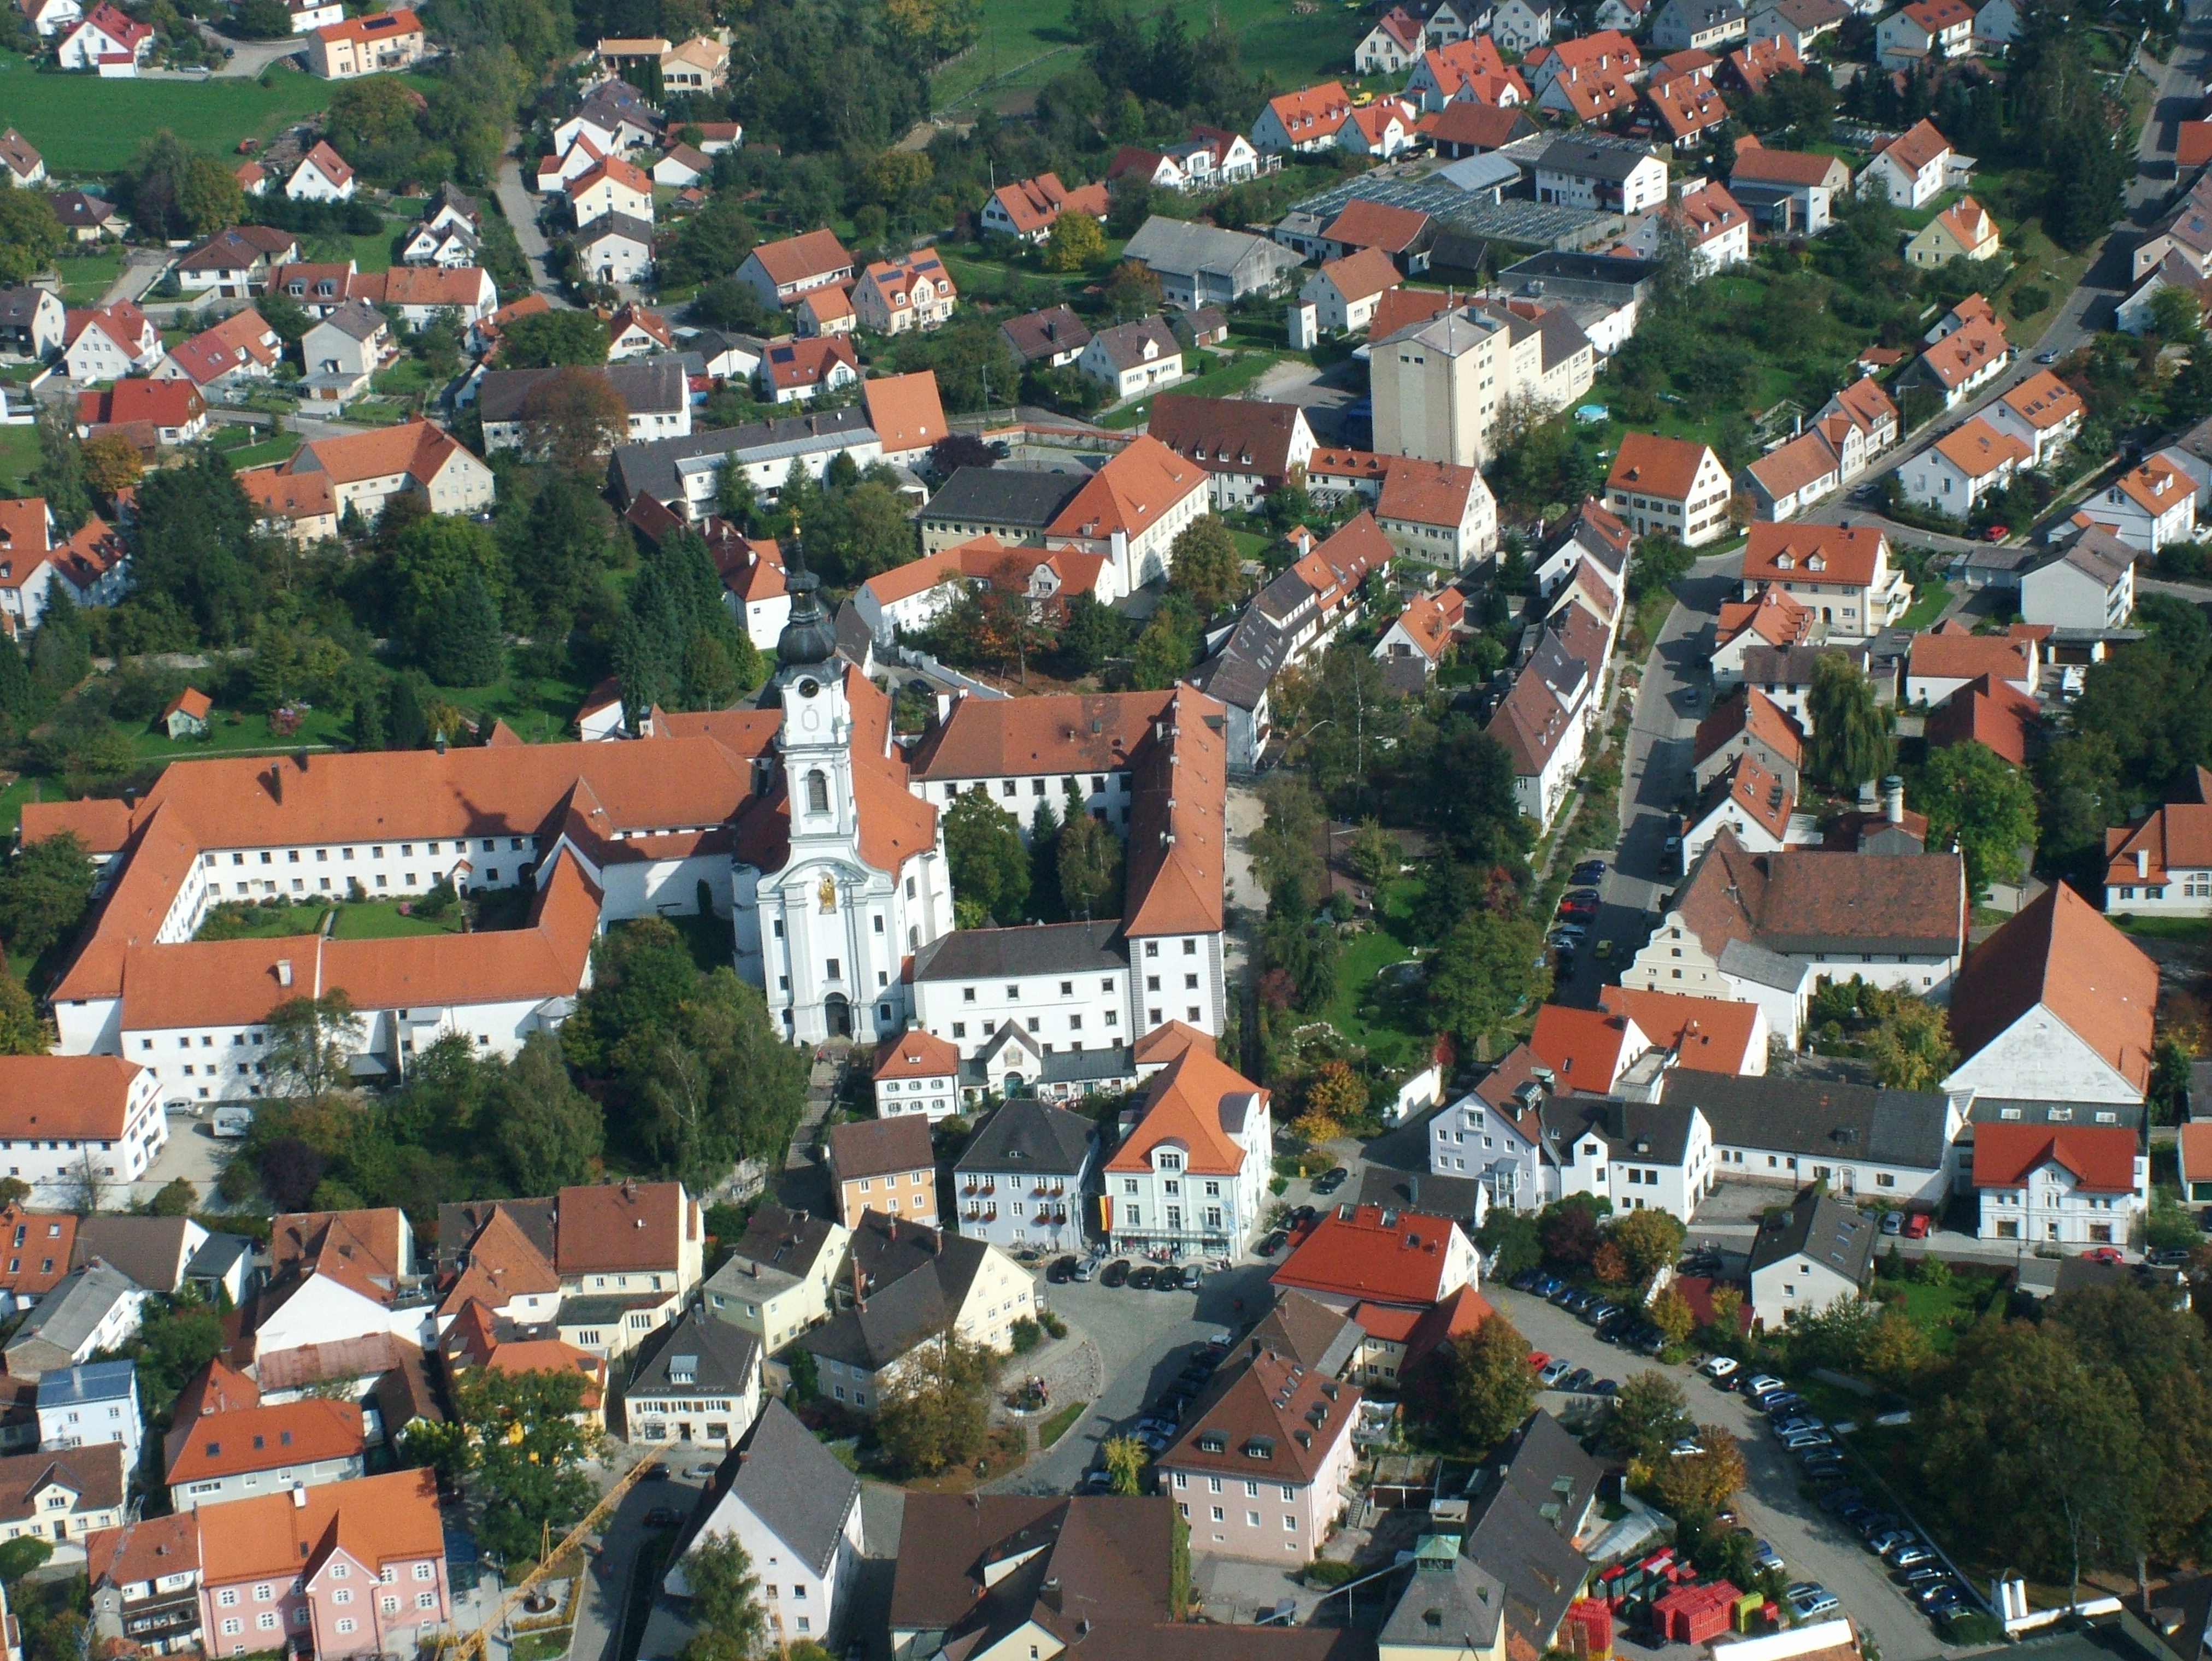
(1654, 775)
(248, 58)
(520, 207)
(599, 1605)
(1812, 1544)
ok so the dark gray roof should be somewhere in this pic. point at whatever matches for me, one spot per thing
(94, 1381)
(650, 469)
(699, 1354)
(150, 1250)
(1839, 1237)
(1026, 1134)
(1041, 949)
(1044, 334)
(1647, 1130)
(69, 1314)
(1183, 247)
(1124, 343)
(1581, 275)
(1320, 1338)
(358, 318)
(1450, 1602)
(1551, 1471)
(1903, 1128)
(1421, 1191)
(795, 1485)
(19, 304)
(1542, 1573)
(611, 224)
(648, 384)
(895, 1317)
(1116, 1062)
(1250, 658)
(1591, 158)
(1004, 496)
(778, 1247)
(1998, 1110)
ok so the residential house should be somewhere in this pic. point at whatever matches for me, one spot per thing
(375, 44)
(1470, 71)
(1640, 1156)
(1024, 1177)
(924, 1065)
(1393, 44)
(2147, 508)
(1803, 23)
(794, 371)
(884, 1165)
(1054, 337)
(1591, 78)
(86, 1406)
(62, 1497)
(1773, 621)
(1344, 292)
(226, 359)
(95, 1308)
(323, 175)
(613, 186)
(51, 17)
(1759, 927)
(914, 292)
(1923, 32)
(339, 1569)
(150, 412)
(342, 351)
(1424, 633)
(1687, 108)
(1192, 1176)
(912, 1285)
(36, 1247)
(414, 458)
(2058, 1004)
(1709, 221)
(1759, 809)
(144, 1581)
(235, 263)
(1913, 168)
(778, 1279)
(702, 1385)
(2089, 585)
(1972, 460)
(2161, 864)
(615, 247)
(109, 342)
(1854, 1140)
(1521, 25)
(1306, 120)
(1962, 231)
(33, 321)
(2043, 412)
(1370, 1254)
(1841, 573)
(1027, 207)
(651, 391)
(107, 40)
(1132, 358)
(1754, 65)
(1601, 174)
(1672, 485)
(683, 166)
(68, 1118)
(154, 1251)
(1817, 1253)
(1988, 712)
(1592, 535)
(1788, 190)
(1264, 1465)
(1698, 25)
(1247, 446)
(216, 1456)
(1747, 723)
(2073, 1185)
(780, 272)
(1437, 513)
(701, 64)
(1201, 266)
(1947, 658)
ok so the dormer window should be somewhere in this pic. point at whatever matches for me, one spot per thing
(1169, 1161)
(1213, 1441)
(1260, 1448)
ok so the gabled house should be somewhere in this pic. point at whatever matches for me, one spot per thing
(914, 292)
(1787, 190)
(1945, 658)
(2043, 412)
(2056, 1005)
(367, 470)
(151, 411)
(1704, 25)
(1246, 446)
(1972, 460)
(65, 1496)
(778, 1280)
(1962, 231)
(262, 1449)
(1521, 25)
(1132, 358)
(1927, 30)
(615, 247)
(1759, 809)
(796, 371)
(107, 40)
(223, 359)
(2089, 585)
(1638, 1155)
(1394, 42)
(884, 1165)
(1817, 1253)
(1023, 1178)
(2161, 864)
(109, 342)
(323, 175)
(1372, 1254)
(780, 272)
(1671, 485)
(33, 321)
(1026, 208)
(923, 1063)
(1054, 337)
(1913, 168)
(1263, 1468)
(1843, 575)
(380, 43)
(1305, 120)
(702, 1386)
(144, 1581)
(1747, 723)
(1772, 620)
(2148, 508)
(2075, 1185)
(1192, 1175)
(613, 186)
(1470, 71)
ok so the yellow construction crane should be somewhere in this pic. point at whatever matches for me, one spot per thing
(471, 1648)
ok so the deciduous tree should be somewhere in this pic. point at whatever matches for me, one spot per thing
(936, 1412)
(1850, 743)
(549, 1132)
(1075, 241)
(1911, 1047)
(1648, 1239)
(1203, 564)
(44, 889)
(312, 1041)
(548, 339)
(1700, 1484)
(1490, 967)
(990, 869)
(1477, 1390)
(1982, 804)
(1650, 1415)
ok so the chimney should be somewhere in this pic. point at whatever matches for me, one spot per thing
(299, 1497)
(441, 740)
(284, 966)
(2142, 864)
(1893, 799)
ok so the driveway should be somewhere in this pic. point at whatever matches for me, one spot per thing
(248, 58)
(1813, 1544)
(192, 1152)
(520, 207)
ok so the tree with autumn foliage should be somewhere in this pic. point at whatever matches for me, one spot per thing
(1333, 1095)
(1700, 1484)
(112, 463)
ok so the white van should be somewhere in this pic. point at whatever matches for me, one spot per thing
(232, 1122)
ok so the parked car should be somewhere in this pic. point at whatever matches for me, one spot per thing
(1647, 1341)
(1841, 1499)
(1274, 1243)
(1917, 1225)
(1547, 1285)
(1117, 1272)
(1926, 1575)
(1525, 1281)
(1823, 1465)
(1809, 1598)
(1304, 1215)
(1553, 1372)
(1578, 1382)
(1759, 1384)
(1798, 1440)
(1588, 871)
(1087, 1269)
(1329, 1181)
(1686, 1448)
(1883, 1540)
(2170, 1257)
(1892, 1222)
(2105, 1254)
(1606, 1387)
(1061, 1272)
(1600, 1311)
(1719, 1367)
(1764, 1557)
(1912, 1557)
(1142, 1277)
(1192, 1275)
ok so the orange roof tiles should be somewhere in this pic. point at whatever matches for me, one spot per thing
(905, 410)
(1988, 711)
(1196, 1103)
(797, 259)
(35, 1250)
(1426, 492)
(1360, 1257)
(306, 1432)
(1138, 485)
(1757, 162)
(1708, 1034)
(1365, 224)
(2101, 1157)
(1917, 147)
(916, 1054)
(1954, 652)
(1977, 449)
(1817, 553)
(1430, 620)
(1361, 275)
(1312, 112)
(1585, 1049)
(81, 1098)
(2059, 952)
(375, 1520)
(1651, 466)
(2044, 401)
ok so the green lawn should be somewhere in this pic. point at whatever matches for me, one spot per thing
(368, 253)
(2187, 928)
(1367, 1009)
(1941, 1312)
(83, 124)
(1928, 602)
(235, 733)
(277, 449)
(382, 919)
(85, 278)
(1017, 34)
(1225, 382)
(19, 457)
(1060, 1423)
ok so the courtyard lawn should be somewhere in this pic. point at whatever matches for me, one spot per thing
(1223, 382)
(86, 277)
(1943, 1311)
(1369, 1008)
(18, 458)
(82, 124)
(382, 919)
(1928, 602)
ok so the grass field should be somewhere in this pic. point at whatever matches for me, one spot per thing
(85, 278)
(233, 733)
(82, 124)
(18, 456)
(1025, 43)
(1060, 1423)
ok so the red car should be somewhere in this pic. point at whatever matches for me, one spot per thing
(2105, 1254)
(1997, 533)
(1539, 1360)
(1917, 1225)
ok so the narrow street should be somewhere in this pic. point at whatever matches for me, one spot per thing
(521, 208)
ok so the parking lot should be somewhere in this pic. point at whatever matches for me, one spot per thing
(1812, 1545)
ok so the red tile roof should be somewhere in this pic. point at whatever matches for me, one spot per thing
(916, 1054)
(301, 1433)
(2061, 954)
(2101, 1157)
(1585, 1049)
(79, 1098)
(1186, 1104)
(1812, 553)
(1651, 466)
(1358, 1257)
(392, 1519)
(1710, 1035)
